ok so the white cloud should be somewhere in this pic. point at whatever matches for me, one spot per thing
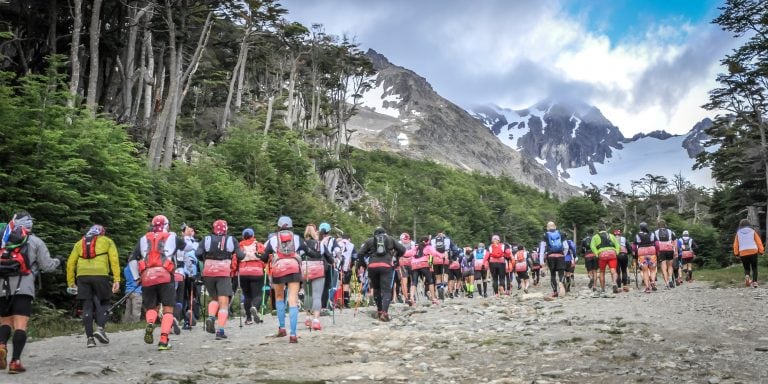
(516, 53)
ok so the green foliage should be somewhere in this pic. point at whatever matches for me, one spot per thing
(708, 239)
(580, 212)
(404, 193)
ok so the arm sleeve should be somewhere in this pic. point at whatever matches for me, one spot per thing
(239, 254)
(267, 251)
(114, 261)
(72, 263)
(760, 248)
(594, 243)
(736, 245)
(44, 260)
(365, 248)
(200, 251)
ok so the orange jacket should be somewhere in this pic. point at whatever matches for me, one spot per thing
(747, 243)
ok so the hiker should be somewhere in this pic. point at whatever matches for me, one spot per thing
(554, 246)
(622, 280)
(285, 249)
(88, 269)
(645, 249)
(521, 266)
(216, 251)
(377, 253)
(454, 272)
(313, 269)
(252, 276)
(133, 302)
(329, 244)
(666, 243)
(590, 259)
(441, 244)
(153, 261)
(509, 275)
(606, 247)
(468, 272)
(404, 264)
(570, 265)
(535, 267)
(748, 246)
(193, 278)
(421, 257)
(185, 257)
(496, 259)
(345, 258)
(481, 269)
(687, 253)
(22, 255)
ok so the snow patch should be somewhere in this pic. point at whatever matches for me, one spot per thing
(402, 138)
(376, 97)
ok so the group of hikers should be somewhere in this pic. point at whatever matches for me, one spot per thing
(166, 272)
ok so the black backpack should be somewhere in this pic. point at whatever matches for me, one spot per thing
(381, 245)
(664, 234)
(440, 244)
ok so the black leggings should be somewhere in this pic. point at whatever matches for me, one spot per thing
(252, 290)
(180, 291)
(556, 271)
(326, 286)
(90, 308)
(623, 276)
(381, 279)
(750, 263)
(498, 273)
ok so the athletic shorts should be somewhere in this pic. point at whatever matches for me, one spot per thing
(218, 286)
(591, 263)
(423, 272)
(522, 275)
(297, 277)
(155, 295)
(648, 261)
(481, 275)
(556, 263)
(666, 256)
(454, 274)
(569, 267)
(439, 269)
(16, 305)
(89, 287)
(611, 263)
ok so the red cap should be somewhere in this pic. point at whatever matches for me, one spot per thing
(219, 227)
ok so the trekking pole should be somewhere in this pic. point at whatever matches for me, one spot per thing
(355, 291)
(264, 289)
(121, 301)
(191, 304)
(306, 290)
(637, 266)
(239, 297)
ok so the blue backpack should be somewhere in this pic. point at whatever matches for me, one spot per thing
(571, 250)
(554, 242)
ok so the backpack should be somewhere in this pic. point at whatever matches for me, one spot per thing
(381, 245)
(89, 247)
(664, 235)
(644, 239)
(218, 246)
(155, 252)
(440, 244)
(554, 242)
(14, 258)
(286, 247)
(605, 240)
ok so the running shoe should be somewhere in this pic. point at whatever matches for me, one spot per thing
(615, 289)
(163, 346)
(308, 322)
(16, 367)
(281, 332)
(90, 343)
(148, 337)
(754, 284)
(210, 324)
(293, 339)
(101, 335)
(3, 356)
(316, 326)
(747, 281)
(220, 335)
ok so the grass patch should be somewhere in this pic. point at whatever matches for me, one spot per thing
(723, 277)
(51, 322)
(487, 342)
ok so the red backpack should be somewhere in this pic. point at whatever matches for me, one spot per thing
(14, 258)
(286, 262)
(89, 247)
(155, 266)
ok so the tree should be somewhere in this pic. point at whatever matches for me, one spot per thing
(743, 95)
(579, 212)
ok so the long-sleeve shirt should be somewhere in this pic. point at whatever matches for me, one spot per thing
(104, 260)
(40, 260)
(747, 243)
(599, 244)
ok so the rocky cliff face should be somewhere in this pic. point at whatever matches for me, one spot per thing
(403, 114)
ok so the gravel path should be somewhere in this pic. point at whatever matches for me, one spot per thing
(690, 334)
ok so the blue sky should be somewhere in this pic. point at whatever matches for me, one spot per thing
(646, 65)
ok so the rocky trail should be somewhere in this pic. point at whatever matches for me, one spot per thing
(690, 334)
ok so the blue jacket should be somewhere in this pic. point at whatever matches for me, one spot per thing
(130, 281)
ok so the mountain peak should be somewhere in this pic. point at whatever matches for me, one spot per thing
(379, 61)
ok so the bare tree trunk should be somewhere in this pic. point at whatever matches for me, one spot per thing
(239, 65)
(52, 18)
(762, 127)
(74, 53)
(94, 32)
(129, 77)
(158, 144)
(241, 81)
(291, 88)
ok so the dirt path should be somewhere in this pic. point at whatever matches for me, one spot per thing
(689, 334)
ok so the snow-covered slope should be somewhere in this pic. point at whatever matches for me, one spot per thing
(638, 158)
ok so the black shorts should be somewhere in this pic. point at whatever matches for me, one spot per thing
(454, 274)
(556, 263)
(481, 274)
(591, 263)
(89, 287)
(155, 295)
(666, 256)
(296, 278)
(569, 267)
(522, 275)
(16, 305)
(439, 269)
(218, 286)
(424, 272)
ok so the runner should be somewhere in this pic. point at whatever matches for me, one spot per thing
(454, 272)
(216, 251)
(252, 277)
(421, 257)
(496, 259)
(570, 264)
(153, 260)
(535, 267)
(404, 264)
(521, 263)
(329, 244)
(313, 268)
(606, 247)
(345, 259)
(554, 247)
(378, 252)
(22, 254)
(622, 281)
(481, 269)
(748, 246)
(441, 244)
(88, 268)
(646, 256)
(590, 260)
(193, 279)
(286, 249)
(468, 272)
(666, 243)
(687, 248)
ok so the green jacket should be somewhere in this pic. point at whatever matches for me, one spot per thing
(597, 240)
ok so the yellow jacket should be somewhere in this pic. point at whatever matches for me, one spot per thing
(106, 261)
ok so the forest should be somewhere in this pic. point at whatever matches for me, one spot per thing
(115, 111)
